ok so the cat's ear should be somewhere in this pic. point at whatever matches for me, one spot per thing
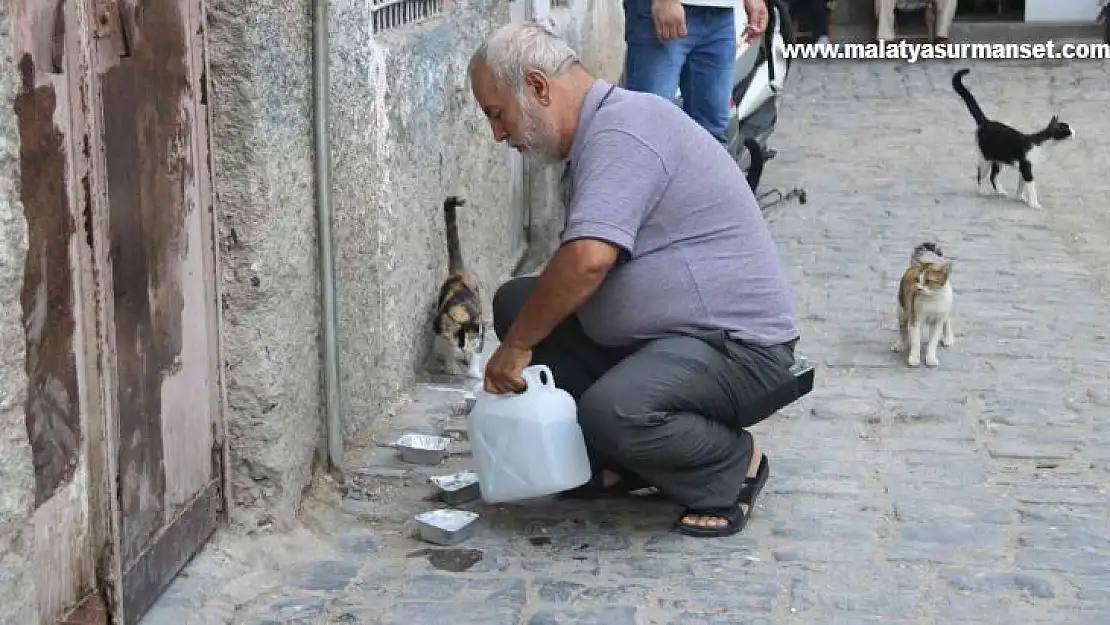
(1055, 120)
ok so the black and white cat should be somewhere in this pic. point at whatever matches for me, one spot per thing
(1000, 144)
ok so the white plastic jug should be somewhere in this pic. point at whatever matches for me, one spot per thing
(529, 444)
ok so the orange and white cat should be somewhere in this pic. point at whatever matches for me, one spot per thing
(925, 305)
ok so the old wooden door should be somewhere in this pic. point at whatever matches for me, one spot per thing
(160, 310)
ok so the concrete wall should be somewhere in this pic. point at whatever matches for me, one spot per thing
(17, 490)
(596, 30)
(406, 132)
(1056, 11)
(260, 66)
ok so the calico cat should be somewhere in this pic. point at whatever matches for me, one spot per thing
(925, 301)
(1000, 144)
(458, 321)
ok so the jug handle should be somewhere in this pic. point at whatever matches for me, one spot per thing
(537, 374)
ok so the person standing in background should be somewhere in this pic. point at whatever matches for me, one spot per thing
(688, 45)
(815, 14)
(884, 14)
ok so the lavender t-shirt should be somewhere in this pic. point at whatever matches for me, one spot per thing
(697, 254)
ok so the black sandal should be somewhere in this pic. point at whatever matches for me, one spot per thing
(735, 518)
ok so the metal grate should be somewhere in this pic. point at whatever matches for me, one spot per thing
(390, 14)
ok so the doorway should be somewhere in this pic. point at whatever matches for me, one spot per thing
(991, 10)
(136, 162)
(161, 343)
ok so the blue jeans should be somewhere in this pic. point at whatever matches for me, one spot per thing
(701, 64)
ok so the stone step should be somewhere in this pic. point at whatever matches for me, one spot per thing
(386, 488)
(437, 409)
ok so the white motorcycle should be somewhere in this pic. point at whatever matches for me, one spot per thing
(759, 76)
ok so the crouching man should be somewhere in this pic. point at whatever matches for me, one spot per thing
(665, 311)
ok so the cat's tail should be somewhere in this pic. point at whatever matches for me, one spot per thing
(928, 247)
(454, 250)
(969, 100)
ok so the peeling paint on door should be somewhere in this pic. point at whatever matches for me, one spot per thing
(163, 303)
(143, 129)
(118, 299)
(52, 408)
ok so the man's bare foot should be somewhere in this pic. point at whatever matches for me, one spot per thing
(717, 522)
(609, 478)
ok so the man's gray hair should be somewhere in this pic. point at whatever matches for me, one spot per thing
(514, 49)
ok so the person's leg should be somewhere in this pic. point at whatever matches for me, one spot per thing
(707, 79)
(575, 361)
(884, 13)
(673, 413)
(650, 66)
(814, 13)
(946, 14)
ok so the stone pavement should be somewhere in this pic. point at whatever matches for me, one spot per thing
(971, 493)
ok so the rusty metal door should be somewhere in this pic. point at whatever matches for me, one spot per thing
(161, 325)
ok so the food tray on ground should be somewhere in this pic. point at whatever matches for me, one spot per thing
(423, 448)
(446, 526)
(456, 488)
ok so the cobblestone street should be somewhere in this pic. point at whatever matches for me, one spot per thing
(976, 492)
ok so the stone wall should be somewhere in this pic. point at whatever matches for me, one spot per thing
(17, 485)
(596, 31)
(405, 132)
(261, 119)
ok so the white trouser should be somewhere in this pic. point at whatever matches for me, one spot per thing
(884, 11)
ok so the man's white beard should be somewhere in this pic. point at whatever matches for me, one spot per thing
(541, 136)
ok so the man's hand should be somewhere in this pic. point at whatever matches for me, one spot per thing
(504, 368)
(571, 276)
(757, 19)
(670, 19)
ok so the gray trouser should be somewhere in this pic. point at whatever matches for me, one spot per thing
(670, 411)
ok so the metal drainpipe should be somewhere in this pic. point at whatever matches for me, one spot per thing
(332, 422)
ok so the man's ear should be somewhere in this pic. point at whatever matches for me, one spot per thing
(537, 82)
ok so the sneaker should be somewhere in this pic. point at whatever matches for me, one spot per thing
(822, 40)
